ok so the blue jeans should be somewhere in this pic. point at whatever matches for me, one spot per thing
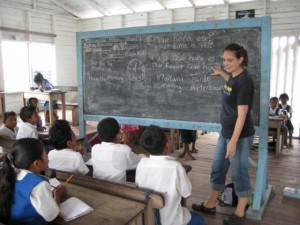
(196, 219)
(239, 166)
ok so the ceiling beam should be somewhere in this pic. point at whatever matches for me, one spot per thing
(129, 5)
(162, 4)
(97, 6)
(67, 8)
(34, 4)
(191, 2)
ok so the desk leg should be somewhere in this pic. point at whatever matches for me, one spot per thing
(3, 104)
(278, 139)
(63, 107)
(51, 117)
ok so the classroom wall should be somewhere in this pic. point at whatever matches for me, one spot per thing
(285, 16)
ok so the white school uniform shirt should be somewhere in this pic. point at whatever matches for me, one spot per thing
(110, 161)
(9, 133)
(4, 130)
(284, 108)
(67, 160)
(41, 199)
(167, 176)
(27, 130)
(273, 111)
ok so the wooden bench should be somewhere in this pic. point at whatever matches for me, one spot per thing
(131, 192)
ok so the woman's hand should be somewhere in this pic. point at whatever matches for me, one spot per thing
(231, 147)
(217, 70)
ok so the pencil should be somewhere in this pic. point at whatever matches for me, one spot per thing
(67, 181)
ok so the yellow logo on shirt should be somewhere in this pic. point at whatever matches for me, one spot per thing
(229, 89)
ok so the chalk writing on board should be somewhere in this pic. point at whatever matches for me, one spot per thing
(163, 75)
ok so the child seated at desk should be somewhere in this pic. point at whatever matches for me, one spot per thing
(65, 156)
(274, 110)
(26, 197)
(44, 85)
(35, 102)
(110, 159)
(288, 111)
(162, 173)
(9, 129)
(30, 118)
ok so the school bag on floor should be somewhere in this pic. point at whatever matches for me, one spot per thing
(228, 196)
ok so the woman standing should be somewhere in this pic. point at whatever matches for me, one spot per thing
(236, 136)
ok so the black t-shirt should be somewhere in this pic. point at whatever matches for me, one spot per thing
(238, 90)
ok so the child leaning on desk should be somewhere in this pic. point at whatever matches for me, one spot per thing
(44, 85)
(25, 196)
(35, 102)
(66, 156)
(110, 159)
(162, 173)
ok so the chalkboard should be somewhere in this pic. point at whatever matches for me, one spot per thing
(165, 75)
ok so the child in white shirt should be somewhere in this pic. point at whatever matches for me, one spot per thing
(30, 117)
(26, 197)
(110, 159)
(162, 173)
(65, 156)
(9, 129)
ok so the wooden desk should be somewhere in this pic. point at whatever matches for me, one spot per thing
(275, 123)
(155, 201)
(2, 98)
(48, 96)
(108, 209)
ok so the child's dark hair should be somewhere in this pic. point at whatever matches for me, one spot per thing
(8, 114)
(26, 112)
(274, 99)
(154, 140)
(29, 102)
(60, 133)
(284, 95)
(38, 78)
(239, 52)
(108, 129)
(24, 152)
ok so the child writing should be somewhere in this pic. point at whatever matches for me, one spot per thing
(44, 85)
(30, 118)
(110, 159)
(287, 109)
(162, 173)
(65, 156)
(9, 128)
(35, 102)
(25, 196)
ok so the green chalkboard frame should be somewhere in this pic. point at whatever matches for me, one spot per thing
(221, 24)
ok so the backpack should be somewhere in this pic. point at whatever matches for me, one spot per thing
(228, 196)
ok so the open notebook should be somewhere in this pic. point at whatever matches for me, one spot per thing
(73, 208)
